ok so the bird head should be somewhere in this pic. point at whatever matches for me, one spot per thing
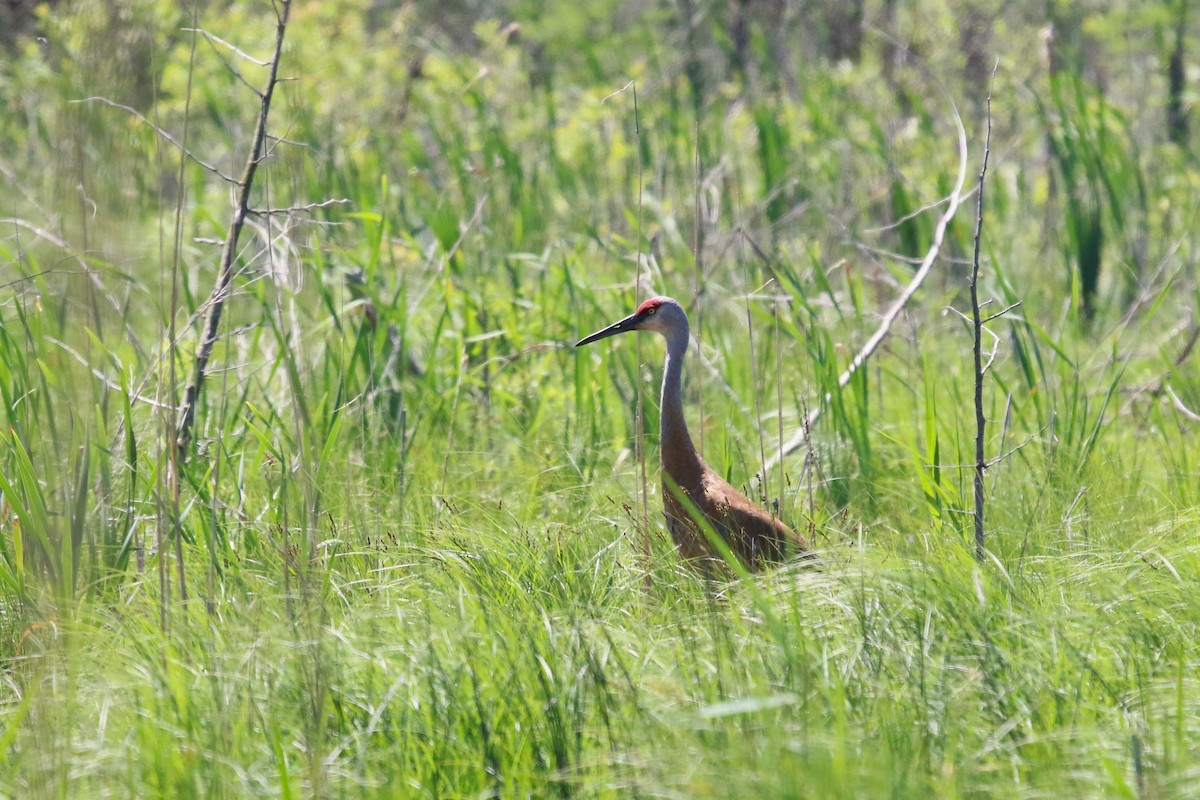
(660, 314)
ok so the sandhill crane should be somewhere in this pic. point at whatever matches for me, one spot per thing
(752, 534)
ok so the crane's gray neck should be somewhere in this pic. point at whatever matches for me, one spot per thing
(675, 444)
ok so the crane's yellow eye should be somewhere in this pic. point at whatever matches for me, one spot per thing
(651, 311)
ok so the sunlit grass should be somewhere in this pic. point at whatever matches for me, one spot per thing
(412, 523)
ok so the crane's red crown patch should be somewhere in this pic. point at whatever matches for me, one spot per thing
(653, 302)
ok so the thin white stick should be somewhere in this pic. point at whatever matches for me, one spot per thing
(889, 318)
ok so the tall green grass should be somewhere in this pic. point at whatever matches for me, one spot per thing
(410, 531)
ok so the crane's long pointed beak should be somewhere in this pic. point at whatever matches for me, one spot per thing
(627, 324)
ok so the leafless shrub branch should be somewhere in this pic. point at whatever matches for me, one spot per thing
(1179, 406)
(981, 463)
(215, 40)
(298, 209)
(893, 312)
(167, 137)
(220, 292)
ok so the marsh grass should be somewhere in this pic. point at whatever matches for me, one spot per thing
(410, 527)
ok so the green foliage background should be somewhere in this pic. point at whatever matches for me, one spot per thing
(404, 558)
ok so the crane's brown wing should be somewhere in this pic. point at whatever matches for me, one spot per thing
(753, 535)
(757, 536)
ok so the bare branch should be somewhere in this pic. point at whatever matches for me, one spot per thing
(213, 38)
(1179, 406)
(981, 463)
(916, 213)
(900, 258)
(166, 136)
(284, 139)
(220, 292)
(42, 233)
(35, 275)
(995, 349)
(999, 314)
(1005, 456)
(992, 461)
(611, 95)
(995, 338)
(893, 312)
(134, 397)
(958, 314)
(299, 209)
(230, 67)
(92, 273)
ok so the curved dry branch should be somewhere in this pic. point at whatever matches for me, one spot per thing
(889, 318)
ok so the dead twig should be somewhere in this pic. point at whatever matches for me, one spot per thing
(981, 463)
(1179, 406)
(991, 462)
(995, 338)
(164, 134)
(893, 312)
(220, 292)
(107, 381)
(1000, 313)
(214, 39)
(299, 209)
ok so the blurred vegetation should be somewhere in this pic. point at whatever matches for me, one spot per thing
(402, 559)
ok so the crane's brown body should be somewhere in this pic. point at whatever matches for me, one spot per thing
(694, 496)
(755, 536)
